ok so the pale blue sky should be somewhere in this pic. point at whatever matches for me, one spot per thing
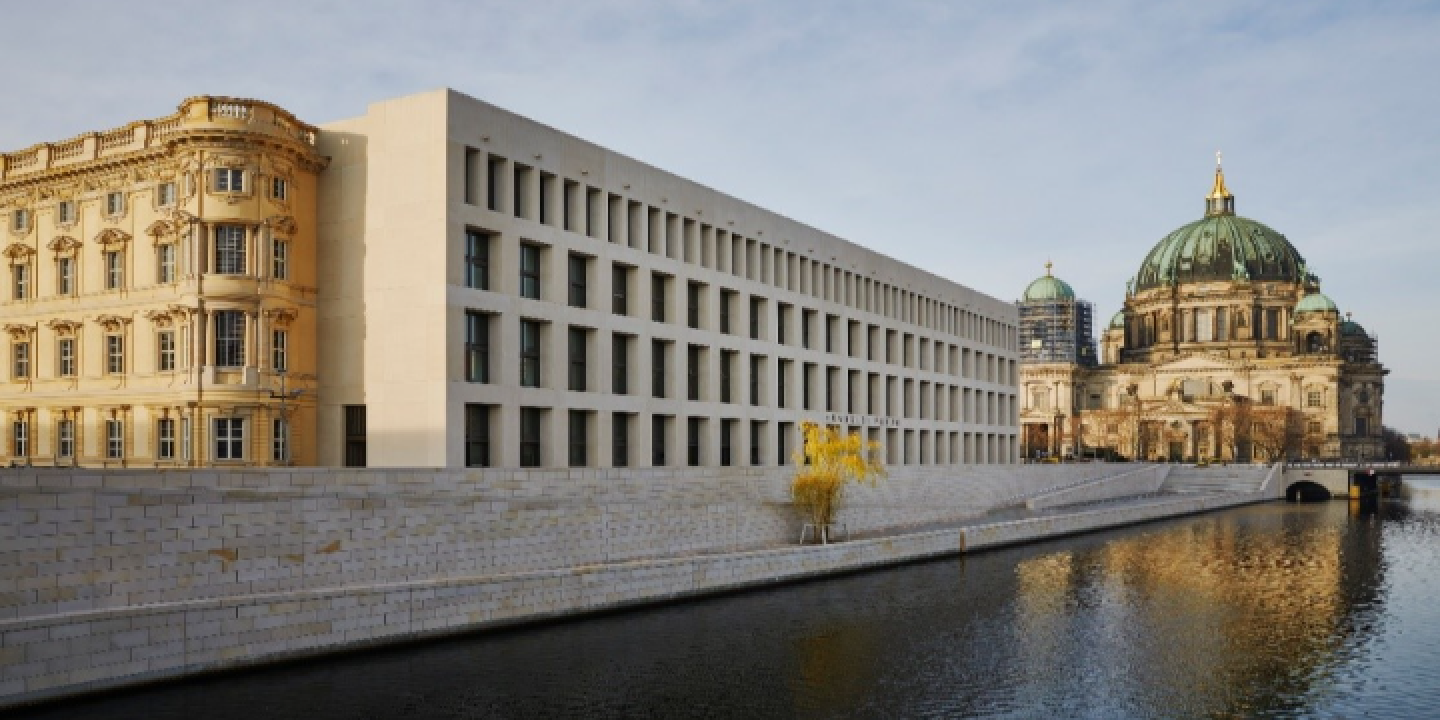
(973, 138)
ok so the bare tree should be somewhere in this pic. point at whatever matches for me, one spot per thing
(1276, 431)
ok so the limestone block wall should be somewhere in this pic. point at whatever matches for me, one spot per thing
(1140, 481)
(111, 576)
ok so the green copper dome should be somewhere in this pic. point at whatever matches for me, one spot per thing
(1118, 322)
(1350, 327)
(1048, 287)
(1316, 302)
(1221, 246)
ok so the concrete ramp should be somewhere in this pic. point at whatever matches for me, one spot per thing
(1216, 479)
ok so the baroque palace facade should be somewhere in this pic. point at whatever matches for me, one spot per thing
(442, 283)
(1225, 349)
(161, 292)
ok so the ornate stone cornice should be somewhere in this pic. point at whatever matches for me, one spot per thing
(113, 323)
(282, 223)
(65, 328)
(160, 318)
(112, 236)
(19, 332)
(281, 317)
(63, 244)
(161, 230)
(18, 251)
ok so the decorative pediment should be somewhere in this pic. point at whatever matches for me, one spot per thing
(112, 236)
(65, 328)
(112, 323)
(63, 244)
(18, 251)
(281, 317)
(19, 332)
(160, 318)
(160, 230)
(283, 224)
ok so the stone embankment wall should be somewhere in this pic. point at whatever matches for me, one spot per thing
(1141, 481)
(113, 577)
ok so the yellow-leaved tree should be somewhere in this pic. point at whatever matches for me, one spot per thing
(824, 464)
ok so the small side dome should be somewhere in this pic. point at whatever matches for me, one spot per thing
(1316, 302)
(1048, 287)
(1352, 328)
(1118, 322)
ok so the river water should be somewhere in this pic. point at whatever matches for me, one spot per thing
(1323, 610)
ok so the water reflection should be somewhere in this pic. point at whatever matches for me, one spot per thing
(1274, 610)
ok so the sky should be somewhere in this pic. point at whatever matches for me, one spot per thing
(975, 139)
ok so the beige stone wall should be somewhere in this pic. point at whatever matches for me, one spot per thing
(112, 577)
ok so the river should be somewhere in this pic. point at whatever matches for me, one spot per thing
(1323, 610)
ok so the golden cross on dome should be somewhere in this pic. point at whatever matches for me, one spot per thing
(1048, 265)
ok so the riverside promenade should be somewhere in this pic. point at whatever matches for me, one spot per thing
(135, 577)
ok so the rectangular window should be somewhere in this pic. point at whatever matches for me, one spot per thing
(114, 270)
(579, 451)
(280, 258)
(229, 180)
(165, 350)
(781, 370)
(727, 430)
(495, 170)
(65, 213)
(230, 250)
(279, 441)
(1267, 397)
(165, 438)
(65, 353)
(165, 194)
(620, 290)
(619, 360)
(21, 220)
(355, 436)
(529, 353)
(577, 359)
(757, 429)
(530, 271)
(477, 259)
(657, 368)
(1362, 426)
(578, 281)
(477, 435)
(115, 203)
(693, 362)
(725, 298)
(692, 305)
(114, 354)
(65, 276)
(620, 440)
(1312, 398)
(229, 438)
(114, 439)
(65, 439)
(757, 308)
(657, 298)
(21, 437)
(693, 428)
(805, 329)
(185, 438)
(279, 189)
(780, 330)
(726, 358)
(21, 276)
(657, 440)
(165, 263)
(756, 367)
(280, 350)
(229, 338)
(529, 437)
(477, 347)
(21, 365)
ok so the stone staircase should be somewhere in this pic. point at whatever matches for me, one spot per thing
(1216, 479)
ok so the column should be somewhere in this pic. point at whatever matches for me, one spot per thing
(252, 339)
(209, 329)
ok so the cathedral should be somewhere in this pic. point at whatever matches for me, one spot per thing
(1225, 350)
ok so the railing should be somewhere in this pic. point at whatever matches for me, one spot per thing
(144, 134)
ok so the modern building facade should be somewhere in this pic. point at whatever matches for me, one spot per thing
(495, 292)
(1225, 349)
(447, 284)
(161, 292)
